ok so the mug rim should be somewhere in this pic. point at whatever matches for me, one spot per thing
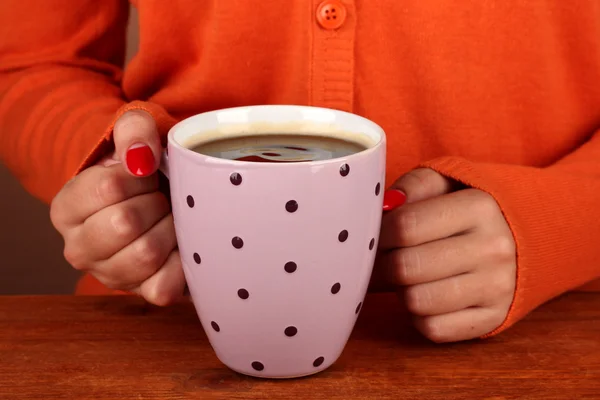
(199, 156)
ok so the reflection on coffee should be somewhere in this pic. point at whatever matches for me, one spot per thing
(279, 148)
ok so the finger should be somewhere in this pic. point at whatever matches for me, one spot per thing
(445, 258)
(112, 228)
(184, 299)
(167, 285)
(489, 287)
(424, 183)
(393, 199)
(137, 142)
(436, 218)
(470, 323)
(94, 189)
(141, 259)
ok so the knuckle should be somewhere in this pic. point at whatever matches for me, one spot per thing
(115, 275)
(159, 295)
(449, 213)
(58, 209)
(110, 283)
(455, 289)
(74, 257)
(109, 188)
(497, 319)
(417, 299)
(422, 182)
(113, 284)
(135, 119)
(414, 180)
(55, 212)
(405, 226)
(505, 285)
(139, 116)
(421, 175)
(148, 253)
(486, 204)
(408, 266)
(431, 329)
(125, 222)
(502, 247)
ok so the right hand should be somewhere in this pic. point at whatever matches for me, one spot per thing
(115, 223)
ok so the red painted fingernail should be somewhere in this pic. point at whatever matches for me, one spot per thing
(393, 199)
(140, 160)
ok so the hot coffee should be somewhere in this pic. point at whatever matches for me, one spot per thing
(279, 148)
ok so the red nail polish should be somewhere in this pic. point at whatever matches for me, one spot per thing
(393, 199)
(140, 160)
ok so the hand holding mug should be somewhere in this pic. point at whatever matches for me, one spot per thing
(452, 253)
(115, 222)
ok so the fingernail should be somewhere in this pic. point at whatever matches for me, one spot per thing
(393, 198)
(140, 160)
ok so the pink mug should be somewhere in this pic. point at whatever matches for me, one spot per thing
(277, 256)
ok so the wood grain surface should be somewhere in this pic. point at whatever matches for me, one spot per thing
(64, 347)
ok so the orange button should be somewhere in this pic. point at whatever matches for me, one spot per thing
(331, 14)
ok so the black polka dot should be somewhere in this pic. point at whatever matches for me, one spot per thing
(215, 326)
(372, 244)
(243, 294)
(197, 258)
(257, 365)
(344, 170)
(358, 307)
(190, 201)
(318, 361)
(377, 189)
(290, 267)
(343, 236)
(336, 288)
(237, 242)
(235, 178)
(290, 331)
(291, 206)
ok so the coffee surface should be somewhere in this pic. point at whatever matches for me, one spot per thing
(279, 148)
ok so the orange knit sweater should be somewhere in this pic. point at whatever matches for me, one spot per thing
(501, 95)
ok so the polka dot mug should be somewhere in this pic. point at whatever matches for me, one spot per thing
(277, 256)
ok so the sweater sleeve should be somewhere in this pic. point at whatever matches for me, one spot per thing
(554, 215)
(60, 69)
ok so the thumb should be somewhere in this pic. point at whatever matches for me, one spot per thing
(423, 183)
(137, 143)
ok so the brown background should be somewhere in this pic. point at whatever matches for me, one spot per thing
(31, 258)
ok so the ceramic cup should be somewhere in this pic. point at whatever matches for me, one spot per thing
(277, 256)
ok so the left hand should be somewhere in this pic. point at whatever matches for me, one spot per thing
(453, 255)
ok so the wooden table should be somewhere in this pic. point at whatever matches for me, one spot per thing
(121, 348)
